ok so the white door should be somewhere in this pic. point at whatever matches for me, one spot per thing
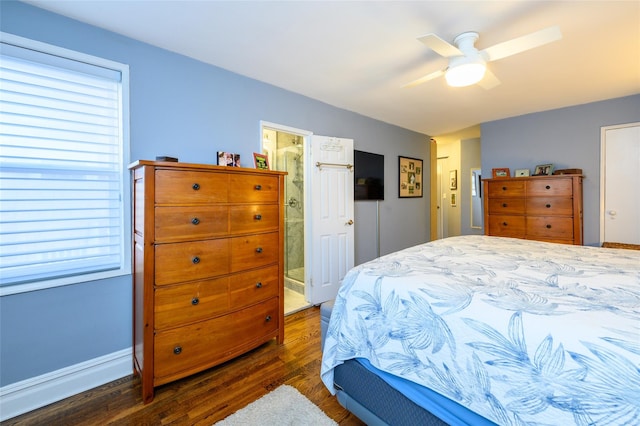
(331, 217)
(620, 180)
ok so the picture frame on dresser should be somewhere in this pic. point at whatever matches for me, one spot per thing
(261, 161)
(543, 170)
(228, 159)
(500, 173)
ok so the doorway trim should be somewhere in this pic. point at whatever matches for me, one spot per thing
(308, 200)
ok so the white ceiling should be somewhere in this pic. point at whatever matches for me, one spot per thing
(356, 55)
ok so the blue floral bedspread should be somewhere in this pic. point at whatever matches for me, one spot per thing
(521, 332)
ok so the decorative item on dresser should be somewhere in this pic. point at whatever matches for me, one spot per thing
(208, 266)
(502, 172)
(544, 208)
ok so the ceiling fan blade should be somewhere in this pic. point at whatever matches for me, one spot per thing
(424, 79)
(439, 46)
(489, 81)
(520, 44)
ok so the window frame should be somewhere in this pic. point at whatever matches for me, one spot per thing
(125, 187)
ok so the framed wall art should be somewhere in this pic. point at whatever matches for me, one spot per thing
(453, 179)
(410, 175)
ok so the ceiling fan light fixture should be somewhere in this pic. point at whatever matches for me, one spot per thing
(465, 74)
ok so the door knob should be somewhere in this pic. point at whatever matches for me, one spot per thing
(350, 222)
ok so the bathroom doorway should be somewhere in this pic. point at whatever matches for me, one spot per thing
(285, 149)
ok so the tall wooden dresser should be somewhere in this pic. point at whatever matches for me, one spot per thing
(208, 244)
(544, 208)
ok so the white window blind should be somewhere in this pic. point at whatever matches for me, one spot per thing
(61, 168)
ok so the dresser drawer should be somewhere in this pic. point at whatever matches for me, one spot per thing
(195, 301)
(253, 189)
(177, 262)
(550, 227)
(554, 186)
(251, 287)
(254, 218)
(508, 188)
(188, 187)
(550, 206)
(254, 251)
(506, 206)
(507, 226)
(180, 223)
(192, 348)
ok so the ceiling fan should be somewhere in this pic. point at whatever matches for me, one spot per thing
(468, 65)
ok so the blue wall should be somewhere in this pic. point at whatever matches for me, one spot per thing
(566, 137)
(187, 109)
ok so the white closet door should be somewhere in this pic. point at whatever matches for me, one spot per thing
(620, 184)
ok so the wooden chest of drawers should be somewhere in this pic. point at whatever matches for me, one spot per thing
(208, 266)
(544, 208)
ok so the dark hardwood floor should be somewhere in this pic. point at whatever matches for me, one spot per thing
(212, 395)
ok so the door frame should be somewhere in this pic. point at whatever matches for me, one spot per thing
(443, 210)
(603, 138)
(308, 200)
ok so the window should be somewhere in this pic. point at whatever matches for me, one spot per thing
(63, 155)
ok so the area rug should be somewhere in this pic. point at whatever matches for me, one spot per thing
(283, 406)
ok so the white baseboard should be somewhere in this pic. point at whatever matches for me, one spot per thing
(27, 395)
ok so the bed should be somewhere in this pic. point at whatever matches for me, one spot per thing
(483, 330)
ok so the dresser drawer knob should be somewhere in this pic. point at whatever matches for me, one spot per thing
(258, 187)
(258, 285)
(195, 186)
(548, 206)
(548, 226)
(548, 187)
(195, 221)
(195, 301)
(504, 188)
(504, 204)
(504, 223)
(195, 260)
(259, 250)
(268, 318)
(177, 350)
(258, 217)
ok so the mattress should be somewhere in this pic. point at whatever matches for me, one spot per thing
(515, 331)
(374, 401)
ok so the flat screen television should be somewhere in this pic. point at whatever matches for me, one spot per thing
(368, 176)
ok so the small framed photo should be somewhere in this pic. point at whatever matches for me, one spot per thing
(543, 170)
(500, 173)
(453, 200)
(228, 159)
(522, 172)
(453, 179)
(261, 161)
(409, 177)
